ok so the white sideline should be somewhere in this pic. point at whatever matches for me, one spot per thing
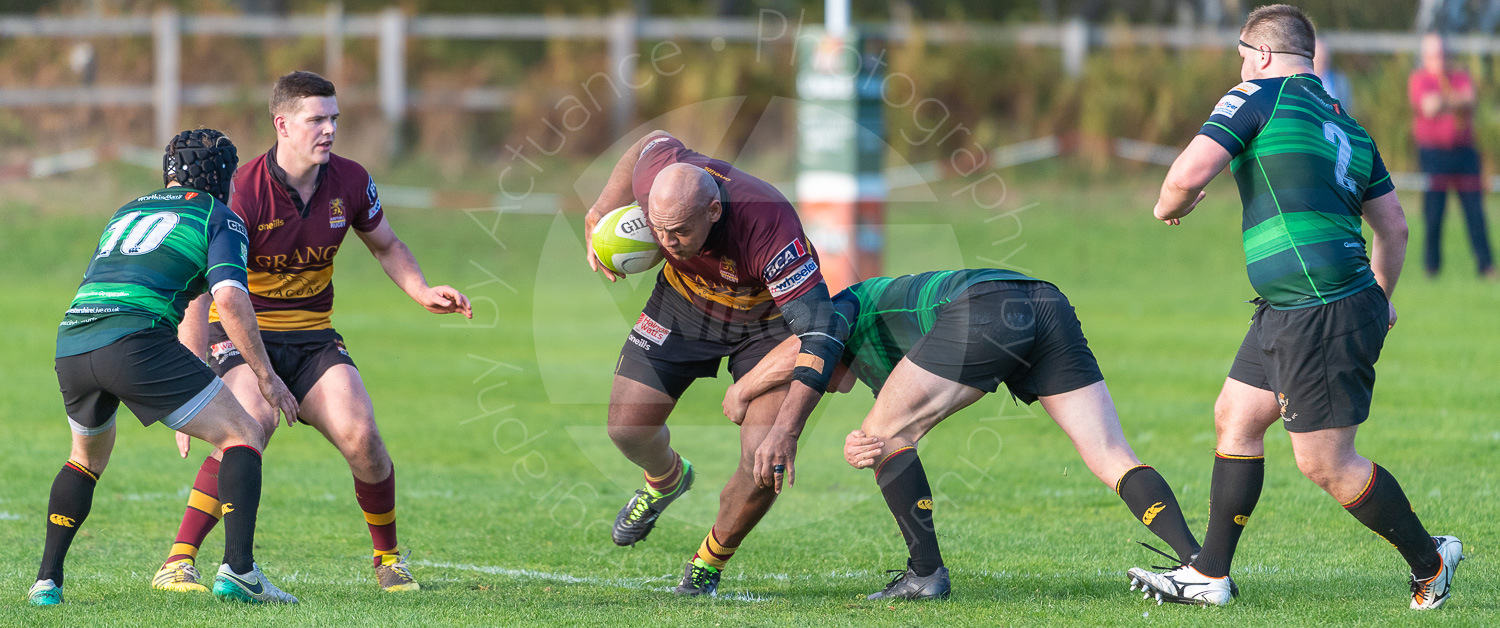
(639, 583)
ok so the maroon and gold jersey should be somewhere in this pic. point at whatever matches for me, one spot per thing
(756, 256)
(292, 245)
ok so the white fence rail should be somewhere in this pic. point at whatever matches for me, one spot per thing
(622, 32)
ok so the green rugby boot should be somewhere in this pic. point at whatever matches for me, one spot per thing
(638, 517)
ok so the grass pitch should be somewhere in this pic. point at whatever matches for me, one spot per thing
(508, 484)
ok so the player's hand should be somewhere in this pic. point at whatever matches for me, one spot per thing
(1392, 323)
(184, 442)
(280, 398)
(1157, 211)
(734, 406)
(588, 245)
(446, 300)
(861, 449)
(778, 449)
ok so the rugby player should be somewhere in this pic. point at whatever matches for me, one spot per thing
(929, 345)
(1307, 173)
(299, 200)
(117, 343)
(740, 277)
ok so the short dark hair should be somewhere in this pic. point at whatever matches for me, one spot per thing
(1282, 27)
(295, 86)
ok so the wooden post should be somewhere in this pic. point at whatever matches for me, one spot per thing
(166, 33)
(393, 75)
(1075, 45)
(333, 42)
(623, 30)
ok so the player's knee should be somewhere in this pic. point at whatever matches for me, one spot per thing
(245, 431)
(1318, 469)
(631, 436)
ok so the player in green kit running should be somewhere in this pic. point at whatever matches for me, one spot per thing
(1307, 173)
(931, 344)
(118, 343)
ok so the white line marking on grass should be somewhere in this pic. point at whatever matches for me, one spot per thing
(640, 583)
(6, 515)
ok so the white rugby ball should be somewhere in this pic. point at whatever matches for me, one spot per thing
(623, 241)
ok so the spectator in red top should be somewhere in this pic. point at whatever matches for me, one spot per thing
(1443, 99)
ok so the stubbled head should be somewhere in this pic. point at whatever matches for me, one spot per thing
(1434, 52)
(683, 207)
(305, 112)
(1282, 28)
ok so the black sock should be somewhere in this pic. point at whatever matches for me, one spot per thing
(1383, 507)
(239, 496)
(72, 497)
(1151, 500)
(1236, 487)
(904, 485)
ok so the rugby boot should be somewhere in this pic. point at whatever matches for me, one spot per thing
(698, 579)
(1183, 585)
(44, 593)
(907, 585)
(180, 576)
(1433, 592)
(638, 517)
(250, 587)
(393, 574)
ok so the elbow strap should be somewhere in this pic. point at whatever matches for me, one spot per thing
(812, 319)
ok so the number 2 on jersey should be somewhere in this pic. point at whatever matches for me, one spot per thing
(143, 238)
(1333, 133)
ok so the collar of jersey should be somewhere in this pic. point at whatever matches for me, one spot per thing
(279, 175)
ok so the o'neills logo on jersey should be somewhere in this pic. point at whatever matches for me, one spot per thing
(267, 226)
(651, 329)
(336, 213)
(797, 278)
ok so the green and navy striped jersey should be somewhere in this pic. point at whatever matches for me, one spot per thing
(1304, 168)
(158, 253)
(887, 315)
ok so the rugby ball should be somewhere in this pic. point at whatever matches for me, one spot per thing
(623, 241)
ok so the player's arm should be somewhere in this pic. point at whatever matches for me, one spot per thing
(618, 192)
(773, 370)
(193, 332)
(821, 332)
(1387, 242)
(401, 266)
(1198, 164)
(238, 317)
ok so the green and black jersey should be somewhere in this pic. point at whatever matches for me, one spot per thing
(887, 315)
(1304, 168)
(158, 253)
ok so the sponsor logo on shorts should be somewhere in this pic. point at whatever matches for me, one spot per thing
(342, 349)
(1282, 401)
(638, 342)
(1228, 106)
(235, 225)
(651, 330)
(1241, 520)
(796, 278)
(924, 504)
(788, 255)
(1150, 514)
(727, 270)
(222, 351)
(66, 522)
(336, 213)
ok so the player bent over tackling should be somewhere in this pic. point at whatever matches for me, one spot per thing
(118, 343)
(929, 345)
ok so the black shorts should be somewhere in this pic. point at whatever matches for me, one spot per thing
(1022, 333)
(299, 358)
(1320, 361)
(156, 377)
(674, 343)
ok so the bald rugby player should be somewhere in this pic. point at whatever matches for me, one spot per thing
(740, 277)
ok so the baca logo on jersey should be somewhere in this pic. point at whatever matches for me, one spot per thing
(796, 278)
(784, 258)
